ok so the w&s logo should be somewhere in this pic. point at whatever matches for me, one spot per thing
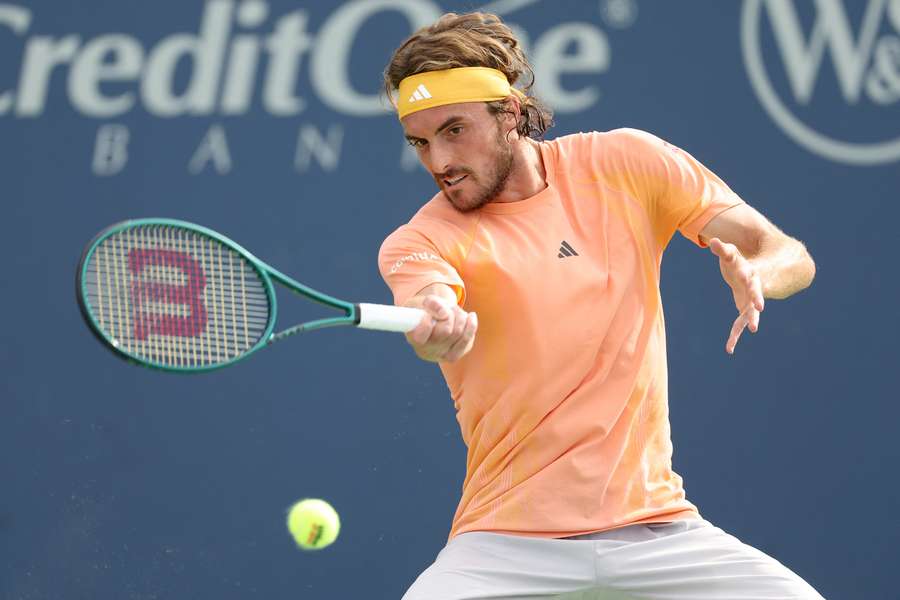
(828, 73)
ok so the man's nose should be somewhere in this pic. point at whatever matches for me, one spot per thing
(441, 160)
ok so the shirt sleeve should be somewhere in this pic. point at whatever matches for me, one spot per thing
(409, 262)
(678, 191)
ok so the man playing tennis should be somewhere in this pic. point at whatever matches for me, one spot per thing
(538, 265)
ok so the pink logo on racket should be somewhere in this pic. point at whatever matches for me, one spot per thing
(190, 325)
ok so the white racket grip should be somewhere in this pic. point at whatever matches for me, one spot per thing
(388, 318)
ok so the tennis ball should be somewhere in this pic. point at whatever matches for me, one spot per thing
(313, 523)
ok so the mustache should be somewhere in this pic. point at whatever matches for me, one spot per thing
(452, 173)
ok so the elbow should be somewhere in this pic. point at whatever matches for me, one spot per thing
(812, 270)
(795, 274)
(809, 272)
(806, 270)
(809, 268)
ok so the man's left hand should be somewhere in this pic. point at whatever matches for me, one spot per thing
(746, 286)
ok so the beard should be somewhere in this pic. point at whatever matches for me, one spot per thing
(487, 190)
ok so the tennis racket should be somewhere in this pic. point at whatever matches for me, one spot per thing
(175, 296)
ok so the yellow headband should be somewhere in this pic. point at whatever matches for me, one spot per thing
(452, 86)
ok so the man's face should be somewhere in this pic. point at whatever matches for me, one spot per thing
(465, 149)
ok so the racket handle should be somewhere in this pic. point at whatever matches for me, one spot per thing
(388, 318)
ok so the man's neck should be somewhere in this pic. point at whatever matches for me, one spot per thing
(528, 176)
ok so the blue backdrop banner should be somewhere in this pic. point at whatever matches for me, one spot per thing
(263, 119)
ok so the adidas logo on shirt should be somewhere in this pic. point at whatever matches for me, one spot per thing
(420, 93)
(566, 250)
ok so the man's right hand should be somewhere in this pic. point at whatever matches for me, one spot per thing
(446, 332)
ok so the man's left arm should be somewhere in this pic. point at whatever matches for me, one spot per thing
(757, 261)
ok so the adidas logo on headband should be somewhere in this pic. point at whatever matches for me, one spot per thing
(420, 94)
(451, 86)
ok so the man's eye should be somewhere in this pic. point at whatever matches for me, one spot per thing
(417, 143)
(455, 130)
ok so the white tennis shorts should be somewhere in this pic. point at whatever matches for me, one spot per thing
(684, 560)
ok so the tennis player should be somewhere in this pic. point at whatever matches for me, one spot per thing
(538, 264)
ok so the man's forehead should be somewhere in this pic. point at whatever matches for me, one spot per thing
(425, 122)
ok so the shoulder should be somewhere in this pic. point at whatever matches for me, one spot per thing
(605, 147)
(436, 225)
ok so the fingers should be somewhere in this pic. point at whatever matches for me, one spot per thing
(750, 288)
(465, 341)
(446, 332)
(727, 252)
(753, 320)
(736, 330)
(746, 285)
(437, 307)
(422, 331)
(748, 319)
(436, 312)
(740, 274)
(756, 294)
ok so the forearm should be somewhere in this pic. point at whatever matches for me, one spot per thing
(784, 268)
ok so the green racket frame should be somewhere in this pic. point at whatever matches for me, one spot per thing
(351, 311)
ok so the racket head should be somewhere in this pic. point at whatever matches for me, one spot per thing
(175, 296)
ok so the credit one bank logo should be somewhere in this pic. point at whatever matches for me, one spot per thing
(242, 56)
(857, 44)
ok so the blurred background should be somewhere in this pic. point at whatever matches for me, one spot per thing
(262, 119)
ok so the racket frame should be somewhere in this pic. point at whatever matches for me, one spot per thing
(266, 273)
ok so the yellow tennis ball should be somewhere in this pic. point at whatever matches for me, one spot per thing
(313, 523)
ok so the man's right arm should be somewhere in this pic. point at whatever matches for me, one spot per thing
(447, 332)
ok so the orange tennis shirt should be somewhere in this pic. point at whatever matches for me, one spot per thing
(562, 401)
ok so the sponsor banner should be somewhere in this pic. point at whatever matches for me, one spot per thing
(828, 74)
(228, 58)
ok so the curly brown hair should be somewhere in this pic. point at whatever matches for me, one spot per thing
(471, 40)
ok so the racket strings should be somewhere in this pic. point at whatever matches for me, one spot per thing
(175, 297)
